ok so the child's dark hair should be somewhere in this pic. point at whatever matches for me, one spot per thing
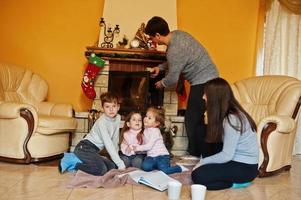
(108, 97)
(126, 128)
(159, 115)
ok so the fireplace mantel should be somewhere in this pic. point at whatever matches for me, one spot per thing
(133, 57)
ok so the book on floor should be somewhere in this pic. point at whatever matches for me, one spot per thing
(155, 179)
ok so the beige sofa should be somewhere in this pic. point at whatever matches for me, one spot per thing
(31, 129)
(273, 102)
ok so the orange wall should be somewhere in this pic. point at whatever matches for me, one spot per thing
(50, 37)
(227, 29)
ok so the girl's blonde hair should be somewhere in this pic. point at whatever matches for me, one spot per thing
(159, 115)
(126, 128)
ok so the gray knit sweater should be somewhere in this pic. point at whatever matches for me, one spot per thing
(187, 56)
(237, 147)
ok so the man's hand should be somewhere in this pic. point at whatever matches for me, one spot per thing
(159, 85)
(154, 72)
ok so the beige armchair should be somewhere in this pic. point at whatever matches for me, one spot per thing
(273, 102)
(31, 129)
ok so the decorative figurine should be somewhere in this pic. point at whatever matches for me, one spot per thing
(141, 38)
(123, 43)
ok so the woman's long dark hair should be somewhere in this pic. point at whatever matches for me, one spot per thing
(220, 104)
(126, 128)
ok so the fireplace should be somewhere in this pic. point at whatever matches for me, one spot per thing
(127, 75)
(131, 89)
(135, 90)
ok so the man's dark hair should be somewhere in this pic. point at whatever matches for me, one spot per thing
(157, 25)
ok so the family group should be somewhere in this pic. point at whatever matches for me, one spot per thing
(226, 146)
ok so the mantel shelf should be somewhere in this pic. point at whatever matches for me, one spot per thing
(128, 55)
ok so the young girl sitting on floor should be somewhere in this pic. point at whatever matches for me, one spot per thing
(132, 134)
(157, 154)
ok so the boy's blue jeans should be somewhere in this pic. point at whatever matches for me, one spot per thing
(161, 163)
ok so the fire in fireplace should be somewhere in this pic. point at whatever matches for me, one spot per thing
(136, 90)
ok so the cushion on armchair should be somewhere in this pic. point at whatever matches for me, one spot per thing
(55, 124)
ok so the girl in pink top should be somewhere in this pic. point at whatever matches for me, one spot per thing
(132, 134)
(157, 156)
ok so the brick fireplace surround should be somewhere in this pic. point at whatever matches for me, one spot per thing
(132, 60)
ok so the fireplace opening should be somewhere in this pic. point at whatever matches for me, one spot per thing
(135, 90)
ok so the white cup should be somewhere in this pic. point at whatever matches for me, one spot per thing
(174, 190)
(198, 192)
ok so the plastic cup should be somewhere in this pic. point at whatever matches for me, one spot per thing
(198, 192)
(174, 190)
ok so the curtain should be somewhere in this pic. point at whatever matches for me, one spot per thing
(282, 47)
(293, 6)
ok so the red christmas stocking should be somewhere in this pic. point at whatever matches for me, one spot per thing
(94, 66)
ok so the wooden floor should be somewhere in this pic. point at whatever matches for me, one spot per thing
(40, 182)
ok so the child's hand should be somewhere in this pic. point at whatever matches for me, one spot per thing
(128, 150)
(134, 148)
(121, 168)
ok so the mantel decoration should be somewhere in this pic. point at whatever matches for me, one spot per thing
(108, 34)
(141, 40)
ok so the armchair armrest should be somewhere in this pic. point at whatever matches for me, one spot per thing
(284, 124)
(11, 110)
(55, 109)
(272, 126)
(16, 133)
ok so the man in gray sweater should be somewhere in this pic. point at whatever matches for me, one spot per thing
(186, 56)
